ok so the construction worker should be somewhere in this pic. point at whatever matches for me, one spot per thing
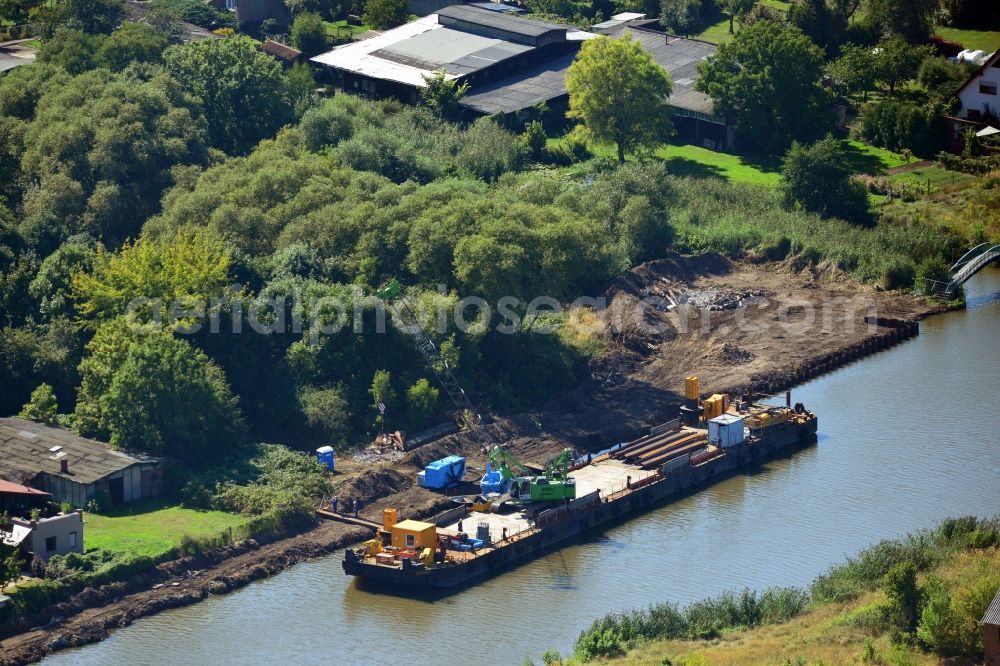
(460, 526)
(333, 504)
(357, 507)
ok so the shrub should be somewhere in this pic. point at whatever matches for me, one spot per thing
(309, 33)
(932, 270)
(896, 125)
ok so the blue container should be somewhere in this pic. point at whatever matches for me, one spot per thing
(493, 482)
(443, 473)
(324, 455)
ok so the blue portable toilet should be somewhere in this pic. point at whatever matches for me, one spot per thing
(324, 455)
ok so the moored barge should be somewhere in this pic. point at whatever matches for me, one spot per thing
(673, 460)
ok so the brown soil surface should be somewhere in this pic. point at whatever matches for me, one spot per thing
(791, 318)
(94, 613)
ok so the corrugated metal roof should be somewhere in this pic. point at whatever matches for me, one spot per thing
(992, 615)
(357, 57)
(12, 488)
(680, 57)
(497, 21)
(26, 449)
(540, 83)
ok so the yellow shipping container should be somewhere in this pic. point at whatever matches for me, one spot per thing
(413, 534)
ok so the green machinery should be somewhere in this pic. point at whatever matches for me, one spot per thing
(525, 487)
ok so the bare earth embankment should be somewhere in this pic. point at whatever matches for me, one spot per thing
(733, 325)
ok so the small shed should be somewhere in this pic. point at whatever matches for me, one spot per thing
(991, 633)
(413, 534)
(726, 430)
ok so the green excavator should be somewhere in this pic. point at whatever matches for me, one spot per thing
(524, 486)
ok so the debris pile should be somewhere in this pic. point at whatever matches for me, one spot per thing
(718, 298)
(733, 355)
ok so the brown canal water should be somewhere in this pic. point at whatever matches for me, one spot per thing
(907, 437)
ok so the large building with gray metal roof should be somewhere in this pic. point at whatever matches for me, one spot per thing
(513, 63)
(470, 43)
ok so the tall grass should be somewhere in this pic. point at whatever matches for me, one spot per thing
(617, 633)
(614, 634)
(712, 215)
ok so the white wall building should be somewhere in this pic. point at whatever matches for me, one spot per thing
(979, 96)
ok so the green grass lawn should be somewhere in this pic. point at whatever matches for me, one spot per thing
(715, 29)
(153, 527)
(698, 162)
(871, 159)
(985, 40)
(342, 29)
(934, 175)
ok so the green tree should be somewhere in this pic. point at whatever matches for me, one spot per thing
(818, 178)
(940, 77)
(10, 567)
(912, 19)
(681, 16)
(326, 410)
(133, 42)
(22, 87)
(51, 287)
(167, 397)
(766, 82)
(42, 407)
(302, 88)
(381, 389)
(442, 94)
(855, 70)
(619, 93)
(822, 23)
(73, 50)
(737, 9)
(243, 92)
(939, 627)
(100, 150)
(421, 402)
(896, 61)
(189, 269)
(385, 14)
(309, 33)
(91, 16)
(902, 596)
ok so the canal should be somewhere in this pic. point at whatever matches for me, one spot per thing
(907, 437)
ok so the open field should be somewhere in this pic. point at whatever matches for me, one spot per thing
(985, 40)
(153, 527)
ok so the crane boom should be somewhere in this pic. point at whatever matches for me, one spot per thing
(428, 350)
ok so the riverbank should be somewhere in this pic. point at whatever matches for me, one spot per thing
(633, 387)
(93, 614)
(849, 617)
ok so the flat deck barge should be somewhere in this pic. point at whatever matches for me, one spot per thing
(633, 478)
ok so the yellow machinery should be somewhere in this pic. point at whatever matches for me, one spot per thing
(372, 547)
(413, 535)
(483, 507)
(692, 389)
(714, 406)
(427, 555)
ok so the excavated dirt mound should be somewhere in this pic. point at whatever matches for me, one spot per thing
(375, 484)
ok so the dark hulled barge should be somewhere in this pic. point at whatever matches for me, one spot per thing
(630, 479)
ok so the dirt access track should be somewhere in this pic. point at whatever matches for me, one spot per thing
(732, 325)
